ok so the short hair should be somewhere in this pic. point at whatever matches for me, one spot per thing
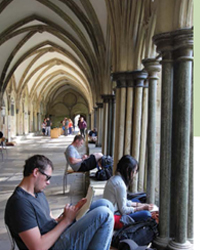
(126, 165)
(36, 161)
(78, 137)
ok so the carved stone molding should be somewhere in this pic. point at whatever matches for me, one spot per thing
(99, 104)
(174, 40)
(129, 78)
(152, 66)
(107, 98)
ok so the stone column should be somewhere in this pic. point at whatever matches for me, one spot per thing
(164, 45)
(9, 124)
(139, 77)
(38, 122)
(152, 66)
(99, 124)
(17, 121)
(182, 42)
(116, 128)
(109, 124)
(129, 114)
(112, 143)
(92, 119)
(143, 143)
(95, 117)
(191, 187)
(105, 123)
(120, 78)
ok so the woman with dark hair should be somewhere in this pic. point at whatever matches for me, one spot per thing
(116, 190)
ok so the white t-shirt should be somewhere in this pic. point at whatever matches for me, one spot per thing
(116, 192)
(71, 151)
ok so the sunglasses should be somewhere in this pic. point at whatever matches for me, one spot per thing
(48, 177)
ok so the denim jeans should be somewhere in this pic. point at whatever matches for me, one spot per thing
(92, 232)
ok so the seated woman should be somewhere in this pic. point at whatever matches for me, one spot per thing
(116, 191)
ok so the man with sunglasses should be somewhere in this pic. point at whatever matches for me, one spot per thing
(32, 225)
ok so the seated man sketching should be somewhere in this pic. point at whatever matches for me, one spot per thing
(78, 163)
(32, 225)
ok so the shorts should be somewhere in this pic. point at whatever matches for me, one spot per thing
(88, 164)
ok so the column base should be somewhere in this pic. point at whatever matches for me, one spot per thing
(178, 246)
(161, 243)
(191, 240)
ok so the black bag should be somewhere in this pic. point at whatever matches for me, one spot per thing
(142, 232)
(106, 161)
(106, 172)
(131, 245)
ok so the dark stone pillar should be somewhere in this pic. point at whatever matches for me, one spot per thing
(99, 124)
(120, 78)
(108, 124)
(139, 79)
(105, 123)
(143, 141)
(178, 47)
(152, 66)
(95, 117)
(166, 139)
(183, 42)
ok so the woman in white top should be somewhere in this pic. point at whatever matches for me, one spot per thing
(116, 190)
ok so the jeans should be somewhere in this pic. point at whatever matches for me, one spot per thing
(92, 232)
(48, 130)
(82, 131)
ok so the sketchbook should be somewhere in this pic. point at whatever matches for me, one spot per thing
(83, 210)
(155, 208)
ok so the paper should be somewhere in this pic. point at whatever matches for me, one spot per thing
(86, 206)
(155, 208)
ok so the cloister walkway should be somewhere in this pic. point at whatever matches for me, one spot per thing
(11, 174)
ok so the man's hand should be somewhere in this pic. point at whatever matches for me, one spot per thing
(84, 157)
(70, 211)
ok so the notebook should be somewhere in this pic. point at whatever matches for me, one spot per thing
(83, 210)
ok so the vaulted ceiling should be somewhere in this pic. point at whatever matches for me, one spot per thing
(52, 45)
(47, 44)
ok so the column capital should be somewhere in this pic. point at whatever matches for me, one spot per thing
(163, 42)
(123, 79)
(183, 38)
(170, 41)
(107, 98)
(129, 78)
(152, 66)
(99, 105)
(139, 77)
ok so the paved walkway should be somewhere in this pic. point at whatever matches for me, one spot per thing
(11, 173)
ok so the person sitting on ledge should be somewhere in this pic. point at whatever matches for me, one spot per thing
(32, 225)
(78, 163)
(116, 191)
(93, 135)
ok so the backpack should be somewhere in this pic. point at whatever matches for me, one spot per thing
(131, 245)
(142, 232)
(106, 172)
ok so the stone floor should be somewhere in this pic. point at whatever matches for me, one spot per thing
(11, 168)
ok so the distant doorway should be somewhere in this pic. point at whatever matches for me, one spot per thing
(76, 118)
